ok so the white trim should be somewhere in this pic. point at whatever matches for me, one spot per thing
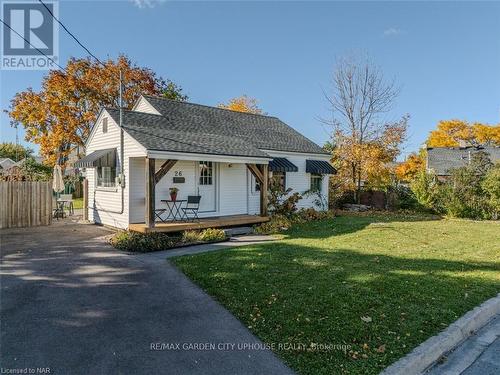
(326, 157)
(207, 157)
(94, 127)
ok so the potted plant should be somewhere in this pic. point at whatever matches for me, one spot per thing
(173, 193)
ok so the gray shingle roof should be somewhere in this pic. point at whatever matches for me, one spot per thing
(263, 132)
(443, 159)
(160, 133)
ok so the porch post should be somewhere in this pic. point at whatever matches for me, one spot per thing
(264, 190)
(149, 218)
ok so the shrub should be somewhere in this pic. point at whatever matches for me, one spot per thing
(281, 223)
(310, 214)
(491, 186)
(282, 202)
(189, 236)
(147, 242)
(426, 190)
(211, 234)
(276, 224)
(143, 242)
(405, 199)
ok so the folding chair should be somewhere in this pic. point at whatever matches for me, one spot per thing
(192, 208)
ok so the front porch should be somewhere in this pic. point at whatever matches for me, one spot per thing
(219, 182)
(209, 222)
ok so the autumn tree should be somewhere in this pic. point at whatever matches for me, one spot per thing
(364, 144)
(454, 133)
(15, 152)
(61, 114)
(242, 104)
(411, 167)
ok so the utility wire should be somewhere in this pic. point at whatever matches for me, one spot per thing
(27, 41)
(70, 33)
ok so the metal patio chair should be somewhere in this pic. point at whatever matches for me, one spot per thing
(192, 208)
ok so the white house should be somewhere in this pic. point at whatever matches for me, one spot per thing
(221, 155)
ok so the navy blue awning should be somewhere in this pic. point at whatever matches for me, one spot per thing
(319, 167)
(282, 165)
(99, 158)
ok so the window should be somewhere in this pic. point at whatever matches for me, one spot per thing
(206, 172)
(106, 176)
(105, 125)
(316, 182)
(280, 179)
(255, 185)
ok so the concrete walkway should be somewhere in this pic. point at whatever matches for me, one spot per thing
(196, 249)
(478, 355)
(73, 304)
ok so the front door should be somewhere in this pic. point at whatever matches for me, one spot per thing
(207, 185)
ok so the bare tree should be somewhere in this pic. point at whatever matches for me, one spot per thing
(359, 98)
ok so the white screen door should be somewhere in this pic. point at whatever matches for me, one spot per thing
(206, 186)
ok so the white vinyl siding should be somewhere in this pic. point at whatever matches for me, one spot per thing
(143, 105)
(301, 181)
(105, 199)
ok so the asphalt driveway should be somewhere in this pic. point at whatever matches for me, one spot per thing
(71, 303)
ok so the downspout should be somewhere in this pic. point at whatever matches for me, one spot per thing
(122, 156)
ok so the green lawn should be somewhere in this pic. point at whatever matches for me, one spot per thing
(379, 284)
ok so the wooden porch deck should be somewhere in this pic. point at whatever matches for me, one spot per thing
(209, 222)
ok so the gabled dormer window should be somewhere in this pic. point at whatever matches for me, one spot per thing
(105, 125)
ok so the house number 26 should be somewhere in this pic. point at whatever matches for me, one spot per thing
(178, 173)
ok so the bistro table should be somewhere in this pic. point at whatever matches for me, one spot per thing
(173, 209)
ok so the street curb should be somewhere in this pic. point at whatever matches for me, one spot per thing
(424, 355)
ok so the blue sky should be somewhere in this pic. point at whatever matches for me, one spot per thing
(445, 56)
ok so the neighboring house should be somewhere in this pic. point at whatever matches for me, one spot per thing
(5, 165)
(221, 155)
(441, 160)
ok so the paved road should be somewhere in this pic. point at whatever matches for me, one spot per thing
(478, 355)
(71, 303)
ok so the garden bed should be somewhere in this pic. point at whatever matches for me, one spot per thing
(149, 242)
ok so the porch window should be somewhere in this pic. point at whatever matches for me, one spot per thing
(280, 179)
(106, 176)
(316, 182)
(206, 173)
(255, 185)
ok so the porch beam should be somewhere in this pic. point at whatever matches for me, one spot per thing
(149, 214)
(264, 186)
(256, 172)
(165, 167)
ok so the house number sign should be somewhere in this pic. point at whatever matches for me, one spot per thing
(178, 179)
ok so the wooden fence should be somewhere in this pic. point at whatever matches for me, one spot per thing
(25, 203)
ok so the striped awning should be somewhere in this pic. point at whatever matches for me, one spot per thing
(282, 165)
(99, 158)
(319, 167)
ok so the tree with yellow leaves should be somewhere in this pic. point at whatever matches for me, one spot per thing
(242, 104)
(454, 133)
(61, 114)
(411, 167)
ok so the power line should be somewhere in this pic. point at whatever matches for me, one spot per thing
(27, 41)
(71, 34)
